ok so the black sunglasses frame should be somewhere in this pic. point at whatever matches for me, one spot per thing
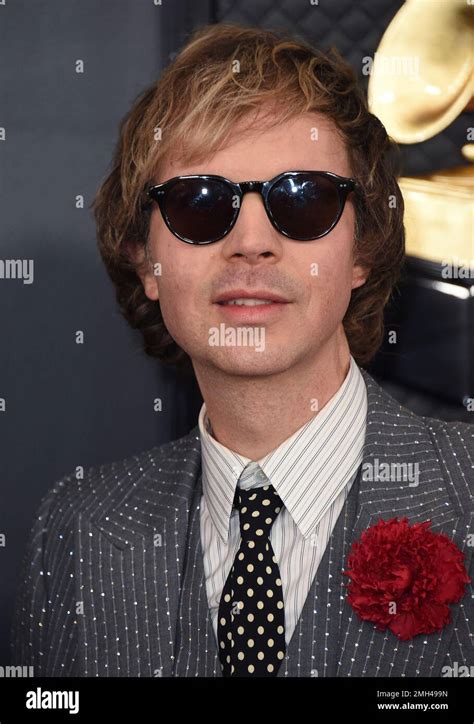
(343, 185)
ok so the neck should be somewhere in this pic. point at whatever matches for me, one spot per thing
(253, 415)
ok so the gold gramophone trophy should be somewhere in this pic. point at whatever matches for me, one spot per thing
(424, 79)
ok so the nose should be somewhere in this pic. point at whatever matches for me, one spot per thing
(253, 237)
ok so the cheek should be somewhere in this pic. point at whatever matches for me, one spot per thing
(180, 287)
(175, 291)
(176, 307)
(176, 267)
(330, 278)
(330, 261)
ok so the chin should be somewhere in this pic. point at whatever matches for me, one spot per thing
(250, 363)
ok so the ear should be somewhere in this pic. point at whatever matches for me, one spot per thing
(145, 270)
(359, 275)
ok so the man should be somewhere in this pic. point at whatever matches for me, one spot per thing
(227, 552)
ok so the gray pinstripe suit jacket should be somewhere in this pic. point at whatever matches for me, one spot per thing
(114, 585)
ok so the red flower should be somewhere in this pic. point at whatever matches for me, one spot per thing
(403, 577)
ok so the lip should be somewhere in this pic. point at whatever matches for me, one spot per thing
(246, 294)
(257, 314)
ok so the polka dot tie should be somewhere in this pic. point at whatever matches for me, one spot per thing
(251, 619)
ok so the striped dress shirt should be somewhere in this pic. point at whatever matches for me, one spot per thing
(312, 472)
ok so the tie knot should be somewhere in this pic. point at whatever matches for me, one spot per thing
(258, 509)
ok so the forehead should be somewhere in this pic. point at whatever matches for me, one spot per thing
(260, 151)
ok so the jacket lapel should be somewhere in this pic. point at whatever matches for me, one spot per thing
(395, 435)
(134, 552)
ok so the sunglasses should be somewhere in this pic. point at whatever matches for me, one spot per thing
(301, 205)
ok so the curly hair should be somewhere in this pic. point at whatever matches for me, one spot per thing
(191, 110)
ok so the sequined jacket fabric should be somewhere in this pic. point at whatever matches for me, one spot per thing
(113, 580)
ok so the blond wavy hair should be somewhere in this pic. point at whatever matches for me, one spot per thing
(193, 107)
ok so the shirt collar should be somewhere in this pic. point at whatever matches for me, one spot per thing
(308, 470)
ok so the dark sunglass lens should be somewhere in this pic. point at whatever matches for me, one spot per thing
(199, 209)
(304, 206)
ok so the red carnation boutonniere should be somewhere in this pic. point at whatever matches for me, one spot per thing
(403, 576)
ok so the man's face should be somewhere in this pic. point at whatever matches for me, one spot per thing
(315, 277)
